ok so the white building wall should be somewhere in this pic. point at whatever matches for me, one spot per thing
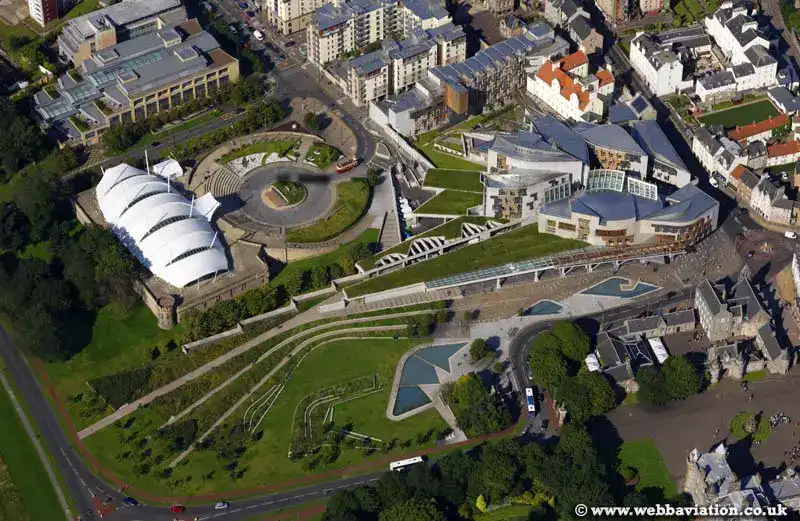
(662, 82)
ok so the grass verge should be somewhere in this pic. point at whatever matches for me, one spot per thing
(352, 200)
(281, 147)
(293, 193)
(450, 202)
(29, 490)
(523, 243)
(643, 455)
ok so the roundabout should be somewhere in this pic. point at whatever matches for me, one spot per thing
(272, 195)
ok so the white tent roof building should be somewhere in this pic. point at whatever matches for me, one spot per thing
(170, 235)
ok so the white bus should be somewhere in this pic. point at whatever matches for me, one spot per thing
(529, 400)
(405, 463)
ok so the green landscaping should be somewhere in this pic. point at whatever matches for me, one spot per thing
(279, 146)
(447, 161)
(293, 193)
(741, 115)
(450, 202)
(352, 200)
(322, 155)
(468, 181)
(449, 230)
(263, 458)
(643, 456)
(25, 490)
(748, 423)
(523, 243)
(509, 513)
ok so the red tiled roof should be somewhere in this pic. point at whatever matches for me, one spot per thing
(758, 127)
(573, 61)
(605, 77)
(738, 171)
(783, 149)
(550, 71)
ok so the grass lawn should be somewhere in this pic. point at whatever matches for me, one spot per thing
(520, 244)
(281, 147)
(369, 236)
(24, 485)
(352, 200)
(786, 167)
(322, 155)
(165, 135)
(83, 7)
(450, 202)
(118, 343)
(755, 376)
(293, 193)
(454, 179)
(643, 455)
(741, 115)
(449, 230)
(509, 513)
(444, 160)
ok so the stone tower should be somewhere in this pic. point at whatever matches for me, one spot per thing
(166, 312)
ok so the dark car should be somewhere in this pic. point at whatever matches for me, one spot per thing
(290, 43)
(744, 211)
(250, 14)
(130, 501)
(156, 143)
(243, 5)
(281, 57)
(545, 424)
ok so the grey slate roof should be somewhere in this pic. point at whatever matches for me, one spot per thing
(742, 70)
(638, 325)
(759, 56)
(717, 80)
(609, 136)
(679, 317)
(580, 26)
(709, 296)
(708, 140)
(557, 133)
(620, 373)
(771, 346)
(621, 113)
(784, 99)
(610, 350)
(653, 140)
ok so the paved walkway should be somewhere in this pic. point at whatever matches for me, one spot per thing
(303, 318)
(51, 476)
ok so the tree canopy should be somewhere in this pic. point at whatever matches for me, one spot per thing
(476, 411)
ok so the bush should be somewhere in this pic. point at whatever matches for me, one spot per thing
(478, 350)
(120, 388)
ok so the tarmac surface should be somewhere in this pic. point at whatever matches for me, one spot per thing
(318, 202)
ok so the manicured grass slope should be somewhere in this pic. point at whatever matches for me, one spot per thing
(450, 202)
(520, 244)
(29, 479)
(643, 455)
(741, 115)
(454, 179)
(352, 198)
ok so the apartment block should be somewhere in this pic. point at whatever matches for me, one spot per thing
(397, 66)
(567, 87)
(99, 30)
(577, 23)
(615, 11)
(45, 11)
(661, 69)
(135, 79)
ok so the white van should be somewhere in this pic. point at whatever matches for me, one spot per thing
(259, 35)
(713, 181)
(790, 235)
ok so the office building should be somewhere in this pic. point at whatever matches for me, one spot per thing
(99, 30)
(136, 79)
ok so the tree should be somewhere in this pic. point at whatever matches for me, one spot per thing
(21, 141)
(319, 276)
(680, 377)
(652, 386)
(13, 227)
(475, 410)
(498, 367)
(353, 253)
(373, 176)
(37, 196)
(312, 121)
(478, 350)
(480, 503)
(295, 282)
(575, 343)
(548, 367)
(587, 395)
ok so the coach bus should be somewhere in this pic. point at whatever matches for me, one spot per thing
(403, 464)
(529, 399)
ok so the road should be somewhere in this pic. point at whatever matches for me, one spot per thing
(772, 9)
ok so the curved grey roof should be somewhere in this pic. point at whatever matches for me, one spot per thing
(609, 136)
(650, 136)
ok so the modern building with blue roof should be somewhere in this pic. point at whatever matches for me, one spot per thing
(665, 163)
(630, 212)
(613, 148)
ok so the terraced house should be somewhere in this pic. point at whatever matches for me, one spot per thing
(135, 79)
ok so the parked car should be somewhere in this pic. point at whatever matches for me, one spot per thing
(545, 424)
(243, 5)
(713, 182)
(790, 235)
(250, 14)
(130, 502)
(222, 505)
(176, 509)
(290, 43)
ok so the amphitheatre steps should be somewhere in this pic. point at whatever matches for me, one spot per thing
(224, 182)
